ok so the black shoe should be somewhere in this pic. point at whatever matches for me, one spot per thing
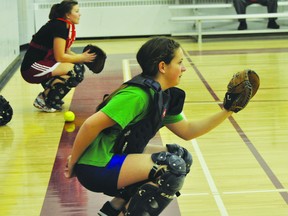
(272, 24)
(108, 210)
(242, 25)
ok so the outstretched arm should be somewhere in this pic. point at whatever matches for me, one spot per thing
(188, 130)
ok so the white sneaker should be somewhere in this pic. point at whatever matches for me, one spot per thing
(40, 104)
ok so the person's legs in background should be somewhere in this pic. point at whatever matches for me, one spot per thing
(240, 7)
(272, 6)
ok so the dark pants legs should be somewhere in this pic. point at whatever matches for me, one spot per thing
(240, 6)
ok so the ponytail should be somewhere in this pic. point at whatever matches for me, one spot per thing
(59, 10)
(53, 12)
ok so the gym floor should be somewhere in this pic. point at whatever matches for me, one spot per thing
(240, 168)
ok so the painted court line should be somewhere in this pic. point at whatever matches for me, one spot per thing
(209, 178)
(269, 172)
(238, 192)
(126, 70)
(195, 194)
(257, 191)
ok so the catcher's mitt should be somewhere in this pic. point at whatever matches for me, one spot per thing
(98, 64)
(241, 88)
(6, 111)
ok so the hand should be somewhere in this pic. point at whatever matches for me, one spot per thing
(68, 171)
(88, 57)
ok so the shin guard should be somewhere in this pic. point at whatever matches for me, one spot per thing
(56, 94)
(151, 199)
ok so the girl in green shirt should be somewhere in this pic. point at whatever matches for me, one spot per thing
(99, 169)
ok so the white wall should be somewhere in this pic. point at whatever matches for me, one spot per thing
(113, 18)
(109, 21)
(116, 18)
(20, 19)
(9, 37)
(26, 20)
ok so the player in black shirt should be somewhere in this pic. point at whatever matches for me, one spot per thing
(49, 59)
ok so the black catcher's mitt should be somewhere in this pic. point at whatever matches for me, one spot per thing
(6, 111)
(98, 64)
(241, 88)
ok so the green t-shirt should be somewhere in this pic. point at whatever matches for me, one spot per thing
(128, 106)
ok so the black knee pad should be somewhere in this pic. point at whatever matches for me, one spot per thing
(170, 184)
(56, 94)
(175, 164)
(76, 75)
(181, 152)
(6, 111)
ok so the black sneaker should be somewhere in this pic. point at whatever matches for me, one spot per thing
(272, 24)
(242, 25)
(108, 210)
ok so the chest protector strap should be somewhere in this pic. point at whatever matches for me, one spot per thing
(134, 138)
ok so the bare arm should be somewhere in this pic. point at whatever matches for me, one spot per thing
(59, 45)
(188, 130)
(87, 133)
(70, 52)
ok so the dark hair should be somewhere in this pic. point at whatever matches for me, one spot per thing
(61, 9)
(153, 52)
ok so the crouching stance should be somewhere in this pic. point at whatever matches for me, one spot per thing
(111, 153)
(145, 190)
(49, 59)
(167, 177)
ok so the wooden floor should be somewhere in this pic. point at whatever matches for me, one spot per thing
(240, 168)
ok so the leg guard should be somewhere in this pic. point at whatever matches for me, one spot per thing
(47, 84)
(76, 75)
(55, 95)
(60, 89)
(174, 163)
(181, 152)
(153, 199)
(127, 192)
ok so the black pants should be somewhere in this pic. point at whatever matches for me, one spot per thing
(240, 6)
(101, 179)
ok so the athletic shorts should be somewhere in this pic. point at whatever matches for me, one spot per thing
(40, 71)
(101, 179)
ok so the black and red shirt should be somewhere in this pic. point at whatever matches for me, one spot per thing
(43, 40)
